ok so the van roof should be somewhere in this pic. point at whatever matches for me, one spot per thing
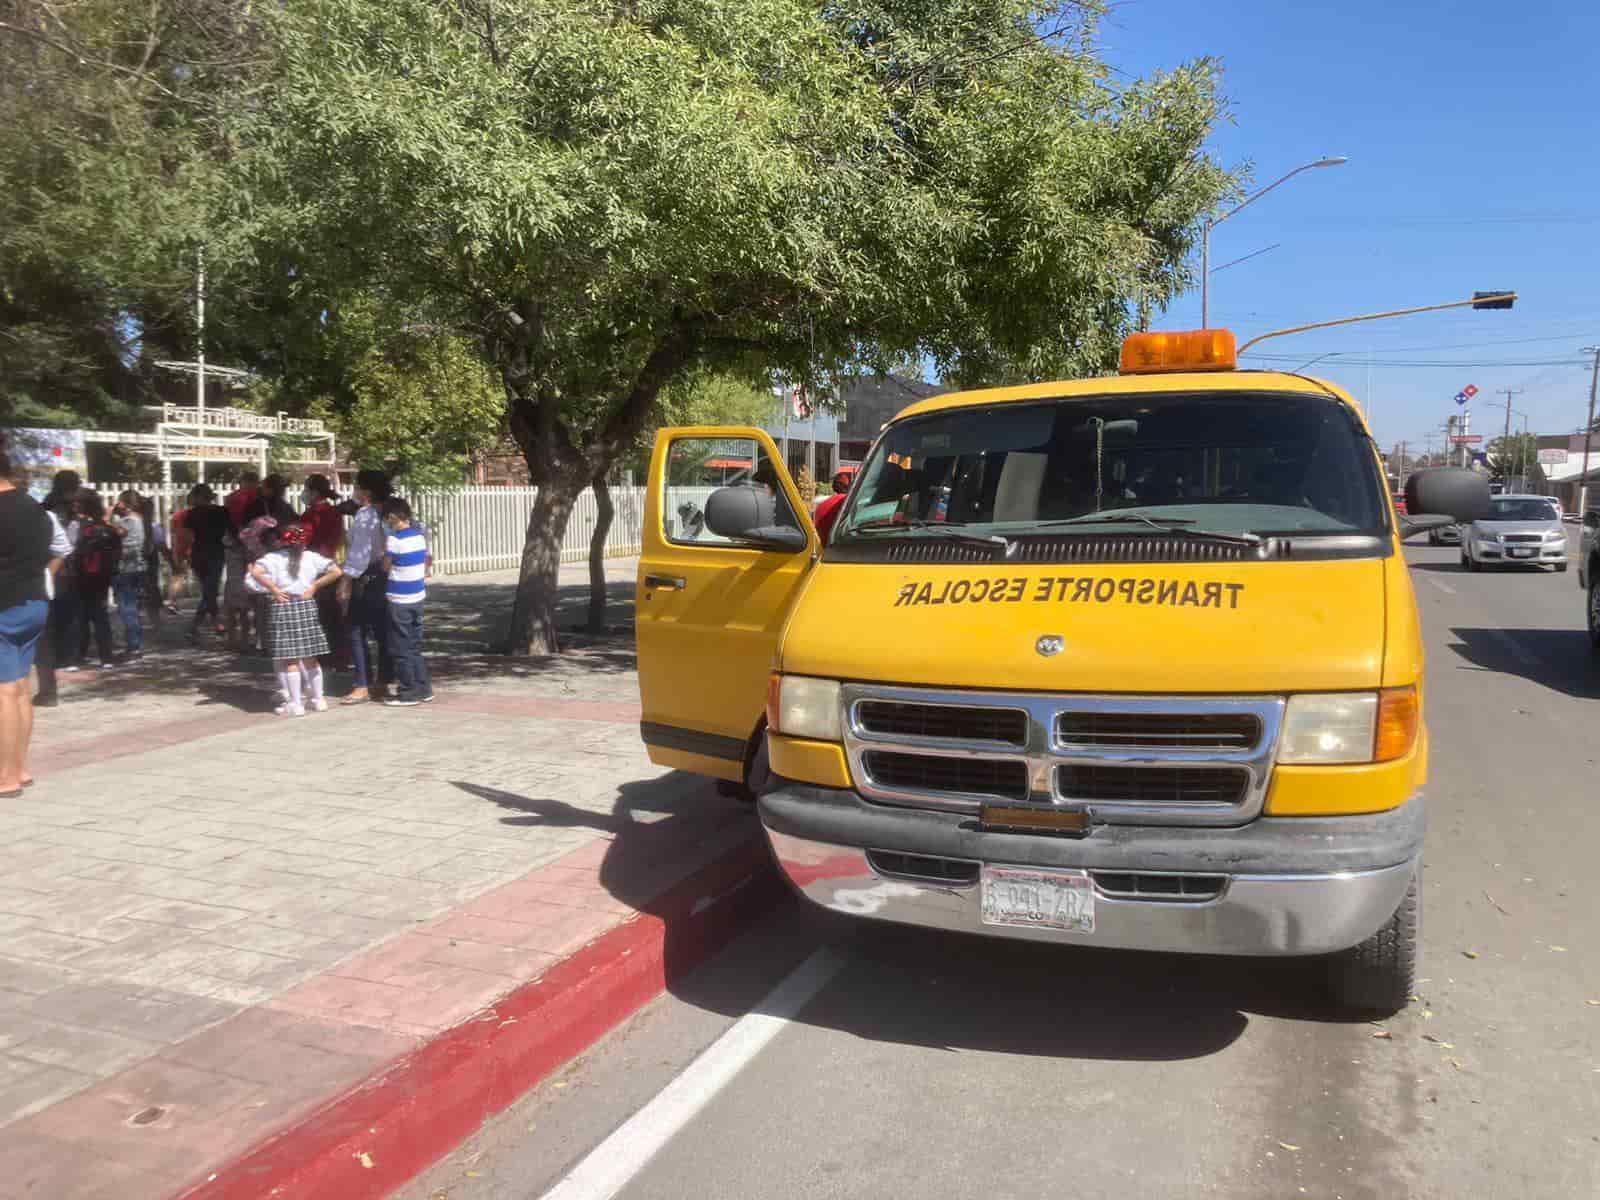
(1113, 385)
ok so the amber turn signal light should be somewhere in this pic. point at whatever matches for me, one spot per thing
(774, 691)
(1196, 350)
(1399, 716)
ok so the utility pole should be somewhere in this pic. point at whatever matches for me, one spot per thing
(1505, 442)
(1588, 432)
(200, 358)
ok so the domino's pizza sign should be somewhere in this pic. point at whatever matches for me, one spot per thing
(1466, 393)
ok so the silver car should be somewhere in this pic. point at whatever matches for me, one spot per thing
(1518, 529)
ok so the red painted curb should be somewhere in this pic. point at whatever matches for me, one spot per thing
(381, 1133)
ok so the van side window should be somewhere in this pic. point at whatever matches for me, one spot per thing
(696, 467)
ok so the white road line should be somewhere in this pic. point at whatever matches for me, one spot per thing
(1441, 585)
(611, 1165)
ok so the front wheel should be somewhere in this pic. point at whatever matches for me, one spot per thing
(1468, 561)
(1561, 568)
(1378, 975)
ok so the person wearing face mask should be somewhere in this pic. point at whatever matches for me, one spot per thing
(363, 591)
(325, 536)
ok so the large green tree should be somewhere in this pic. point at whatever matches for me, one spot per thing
(115, 136)
(606, 196)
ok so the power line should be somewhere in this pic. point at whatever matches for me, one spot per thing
(1356, 359)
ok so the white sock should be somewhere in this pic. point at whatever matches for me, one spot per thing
(313, 670)
(291, 685)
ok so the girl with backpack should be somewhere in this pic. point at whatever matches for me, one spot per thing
(95, 557)
(292, 576)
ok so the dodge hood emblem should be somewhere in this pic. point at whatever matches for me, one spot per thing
(1050, 644)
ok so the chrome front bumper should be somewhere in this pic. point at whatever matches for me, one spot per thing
(1274, 899)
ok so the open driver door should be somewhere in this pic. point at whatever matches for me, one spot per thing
(727, 543)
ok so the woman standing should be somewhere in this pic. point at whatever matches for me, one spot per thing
(325, 535)
(206, 531)
(128, 582)
(59, 645)
(292, 576)
(95, 555)
(179, 543)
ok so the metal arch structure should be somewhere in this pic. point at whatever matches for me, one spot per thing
(199, 433)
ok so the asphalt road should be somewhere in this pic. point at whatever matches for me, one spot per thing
(933, 1067)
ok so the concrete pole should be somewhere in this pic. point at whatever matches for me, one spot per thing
(200, 357)
(1588, 432)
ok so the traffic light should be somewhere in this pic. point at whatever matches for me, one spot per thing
(1500, 299)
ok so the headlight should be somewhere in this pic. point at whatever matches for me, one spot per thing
(1334, 728)
(1555, 535)
(802, 707)
(1350, 727)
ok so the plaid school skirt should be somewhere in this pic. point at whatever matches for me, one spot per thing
(294, 631)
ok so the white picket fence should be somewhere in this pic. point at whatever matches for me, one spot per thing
(470, 528)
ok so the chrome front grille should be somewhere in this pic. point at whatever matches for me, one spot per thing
(1158, 731)
(980, 778)
(1198, 760)
(962, 722)
(1085, 783)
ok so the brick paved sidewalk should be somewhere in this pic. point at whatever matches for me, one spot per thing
(212, 918)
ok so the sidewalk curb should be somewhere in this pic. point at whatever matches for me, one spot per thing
(381, 1133)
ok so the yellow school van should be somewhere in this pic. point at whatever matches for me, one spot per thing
(1127, 662)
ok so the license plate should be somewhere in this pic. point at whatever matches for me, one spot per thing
(1037, 899)
(1522, 553)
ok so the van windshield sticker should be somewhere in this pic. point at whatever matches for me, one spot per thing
(1072, 589)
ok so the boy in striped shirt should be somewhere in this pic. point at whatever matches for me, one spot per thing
(406, 561)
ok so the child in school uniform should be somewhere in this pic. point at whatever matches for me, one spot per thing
(292, 576)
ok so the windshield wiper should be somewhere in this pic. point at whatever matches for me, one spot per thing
(949, 532)
(1183, 525)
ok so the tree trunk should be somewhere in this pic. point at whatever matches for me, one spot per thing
(533, 614)
(597, 555)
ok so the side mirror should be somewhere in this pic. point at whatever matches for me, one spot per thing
(748, 514)
(1453, 492)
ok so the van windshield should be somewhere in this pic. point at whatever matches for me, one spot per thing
(1233, 462)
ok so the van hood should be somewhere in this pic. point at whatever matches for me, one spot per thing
(1259, 627)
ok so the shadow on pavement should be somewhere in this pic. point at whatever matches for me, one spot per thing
(961, 992)
(464, 624)
(1559, 659)
(918, 987)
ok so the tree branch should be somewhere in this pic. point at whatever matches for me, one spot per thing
(629, 417)
(102, 64)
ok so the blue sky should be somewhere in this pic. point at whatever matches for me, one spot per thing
(1471, 130)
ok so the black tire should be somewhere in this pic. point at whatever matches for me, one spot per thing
(1380, 974)
(1469, 562)
(1561, 568)
(758, 773)
(1592, 609)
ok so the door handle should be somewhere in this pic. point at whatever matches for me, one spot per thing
(675, 582)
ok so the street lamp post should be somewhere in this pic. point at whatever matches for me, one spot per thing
(1588, 429)
(1334, 160)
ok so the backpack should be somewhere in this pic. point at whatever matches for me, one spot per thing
(98, 551)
